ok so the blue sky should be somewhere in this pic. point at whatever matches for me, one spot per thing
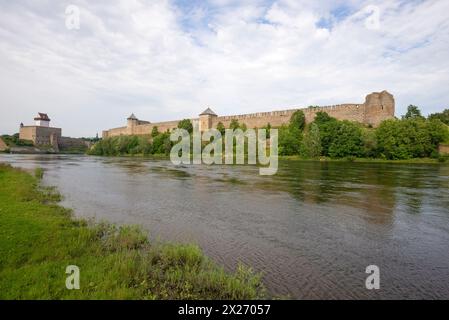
(165, 60)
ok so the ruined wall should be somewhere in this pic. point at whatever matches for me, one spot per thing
(378, 106)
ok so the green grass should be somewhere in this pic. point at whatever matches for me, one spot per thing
(39, 239)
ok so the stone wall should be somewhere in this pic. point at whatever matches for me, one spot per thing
(40, 135)
(443, 149)
(378, 106)
(71, 143)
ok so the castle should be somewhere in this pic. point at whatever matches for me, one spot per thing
(41, 133)
(378, 106)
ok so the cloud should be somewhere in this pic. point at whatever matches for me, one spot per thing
(167, 60)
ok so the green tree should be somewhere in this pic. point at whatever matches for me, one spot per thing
(221, 128)
(347, 141)
(154, 131)
(186, 124)
(311, 144)
(442, 116)
(412, 112)
(328, 128)
(162, 144)
(289, 141)
(267, 128)
(145, 146)
(298, 120)
(369, 143)
(234, 124)
(410, 138)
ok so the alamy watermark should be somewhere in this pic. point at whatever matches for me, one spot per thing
(373, 280)
(73, 280)
(372, 22)
(189, 149)
(72, 17)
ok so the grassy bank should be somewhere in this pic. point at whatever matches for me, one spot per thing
(39, 239)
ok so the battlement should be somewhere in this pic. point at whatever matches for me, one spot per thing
(378, 106)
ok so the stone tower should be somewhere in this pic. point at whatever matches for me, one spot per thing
(131, 123)
(378, 106)
(207, 118)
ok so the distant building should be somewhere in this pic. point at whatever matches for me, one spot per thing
(41, 133)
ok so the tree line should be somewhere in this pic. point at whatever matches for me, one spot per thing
(411, 136)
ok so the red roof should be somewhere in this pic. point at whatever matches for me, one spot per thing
(42, 116)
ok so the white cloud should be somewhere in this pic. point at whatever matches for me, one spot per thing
(164, 61)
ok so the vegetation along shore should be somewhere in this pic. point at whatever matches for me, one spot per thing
(411, 139)
(40, 239)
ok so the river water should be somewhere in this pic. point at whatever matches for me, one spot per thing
(312, 229)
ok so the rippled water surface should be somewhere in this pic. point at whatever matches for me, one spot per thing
(312, 229)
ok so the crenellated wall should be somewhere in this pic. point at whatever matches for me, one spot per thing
(378, 106)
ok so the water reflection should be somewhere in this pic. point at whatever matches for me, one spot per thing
(312, 228)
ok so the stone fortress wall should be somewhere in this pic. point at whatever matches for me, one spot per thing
(378, 106)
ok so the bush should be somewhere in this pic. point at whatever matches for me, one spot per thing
(289, 141)
(298, 120)
(410, 137)
(347, 142)
(328, 128)
(186, 124)
(311, 144)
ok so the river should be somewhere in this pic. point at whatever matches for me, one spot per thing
(311, 229)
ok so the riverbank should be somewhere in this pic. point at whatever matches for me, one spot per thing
(371, 160)
(441, 160)
(39, 239)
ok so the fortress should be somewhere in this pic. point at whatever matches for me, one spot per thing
(41, 134)
(378, 106)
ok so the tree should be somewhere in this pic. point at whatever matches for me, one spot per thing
(267, 128)
(145, 146)
(410, 138)
(234, 124)
(412, 112)
(162, 144)
(369, 143)
(347, 141)
(328, 128)
(311, 144)
(442, 116)
(298, 120)
(186, 124)
(154, 131)
(221, 128)
(322, 117)
(289, 141)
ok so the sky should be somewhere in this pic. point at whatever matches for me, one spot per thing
(168, 60)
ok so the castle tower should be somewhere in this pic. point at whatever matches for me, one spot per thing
(206, 119)
(132, 122)
(379, 106)
(42, 120)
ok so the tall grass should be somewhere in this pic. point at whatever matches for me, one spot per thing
(39, 239)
